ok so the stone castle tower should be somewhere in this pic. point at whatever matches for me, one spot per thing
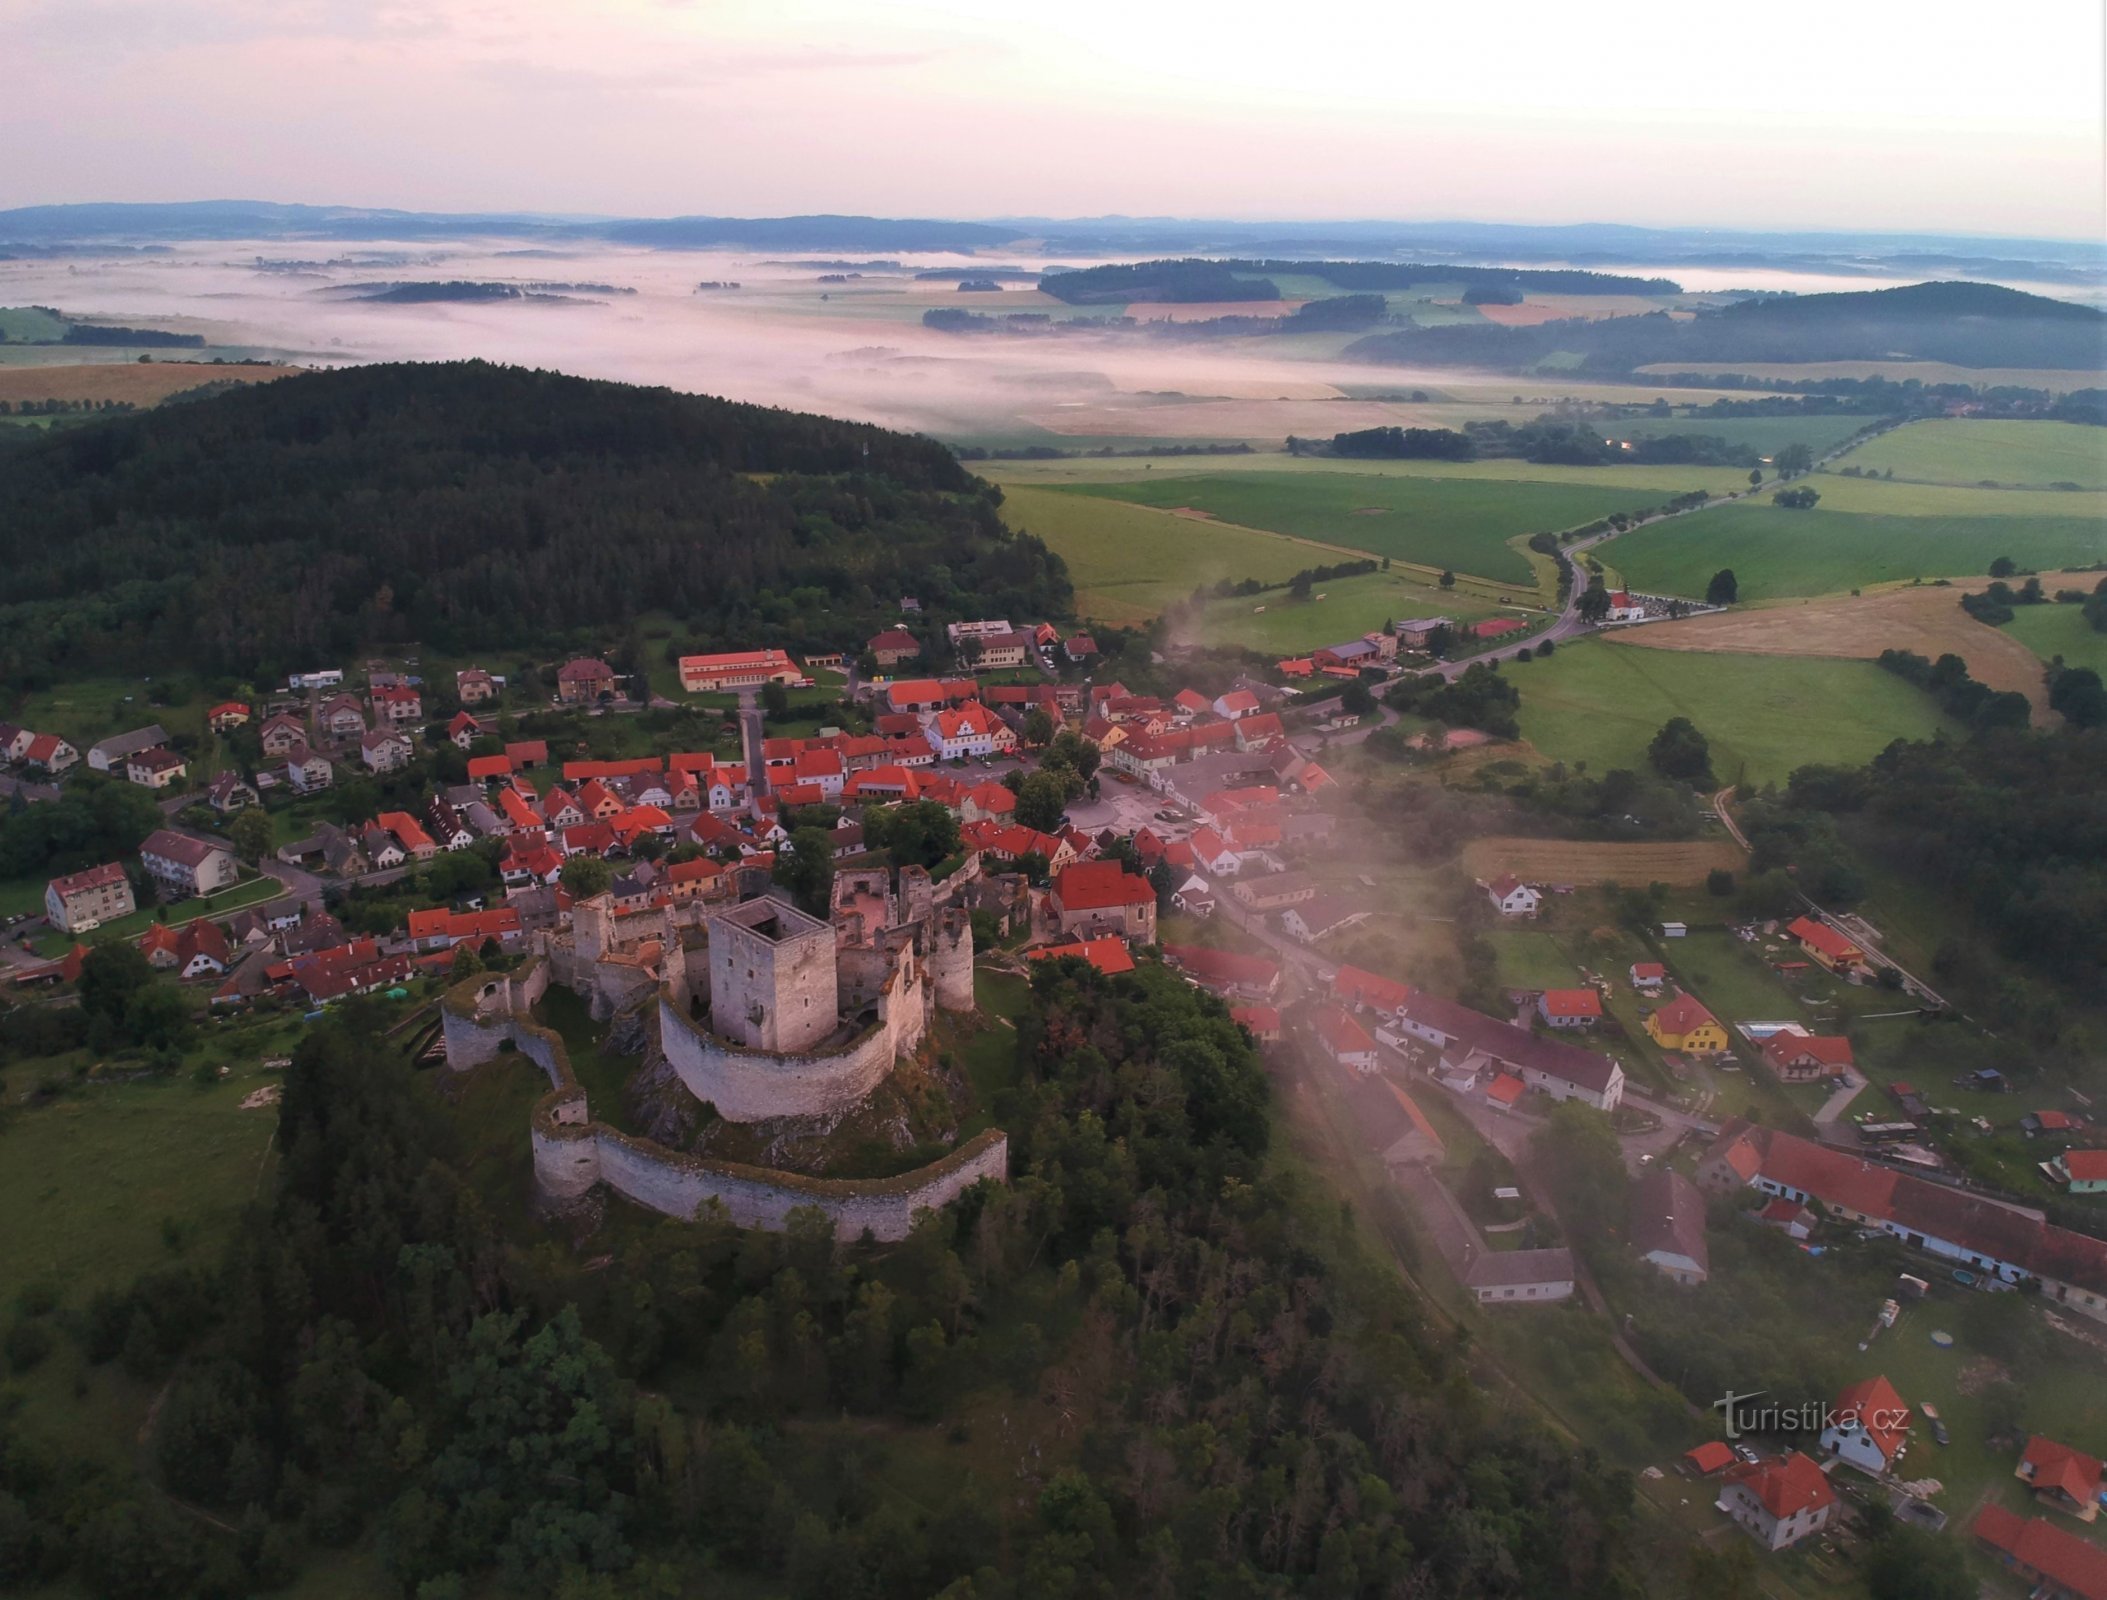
(772, 979)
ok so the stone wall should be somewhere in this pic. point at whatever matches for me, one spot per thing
(747, 1085)
(572, 1153)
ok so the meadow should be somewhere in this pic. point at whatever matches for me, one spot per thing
(2051, 631)
(1602, 703)
(1344, 608)
(1972, 451)
(1459, 523)
(1778, 554)
(1129, 561)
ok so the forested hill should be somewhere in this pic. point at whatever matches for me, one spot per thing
(470, 506)
(1968, 324)
(1196, 280)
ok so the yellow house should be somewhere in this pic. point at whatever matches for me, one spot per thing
(1682, 1024)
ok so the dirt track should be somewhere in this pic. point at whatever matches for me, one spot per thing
(1581, 861)
(1927, 619)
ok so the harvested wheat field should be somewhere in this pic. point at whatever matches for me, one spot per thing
(1584, 861)
(139, 383)
(1522, 316)
(1926, 619)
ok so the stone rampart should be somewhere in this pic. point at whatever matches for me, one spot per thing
(747, 1085)
(572, 1152)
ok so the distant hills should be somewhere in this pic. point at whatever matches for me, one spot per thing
(1966, 324)
(44, 229)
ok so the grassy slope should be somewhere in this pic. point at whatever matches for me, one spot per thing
(1129, 561)
(1764, 715)
(2051, 631)
(1961, 451)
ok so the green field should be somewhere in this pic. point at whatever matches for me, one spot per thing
(1964, 451)
(1766, 435)
(1128, 561)
(28, 324)
(2051, 631)
(1764, 715)
(1778, 554)
(1459, 523)
(1349, 608)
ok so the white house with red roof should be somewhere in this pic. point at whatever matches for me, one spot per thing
(1648, 977)
(1570, 1008)
(1799, 1057)
(1513, 898)
(1778, 1502)
(1624, 607)
(1344, 1039)
(1868, 1426)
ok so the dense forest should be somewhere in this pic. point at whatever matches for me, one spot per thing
(1194, 279)
(474, 506)
(2013, 822)
(1969, 324)
(1234, 1399)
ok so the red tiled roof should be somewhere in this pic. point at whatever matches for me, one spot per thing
(1358, 988)
(2075, 1565)
(1108, 954)
(1101, 885)
(1710, 1456)
(1259, 1019)
(1341, 1034)
(1572, 1003)
(1787, 1486)
(1788, 1045)
(1229, 968)
(93, 878)
(1506, 1089)
(1875, 1406)
(1682, 1014)
(1648, 969)
(1825, 940)
(2049, 1465)
(2086, 1166)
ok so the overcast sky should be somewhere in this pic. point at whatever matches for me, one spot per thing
(1902, 114)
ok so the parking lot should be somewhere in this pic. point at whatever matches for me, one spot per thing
(1124, 808)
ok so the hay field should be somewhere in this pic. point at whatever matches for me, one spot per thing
(1845, 627)
(1968, 451)
(134, 382)
(1589, 861)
